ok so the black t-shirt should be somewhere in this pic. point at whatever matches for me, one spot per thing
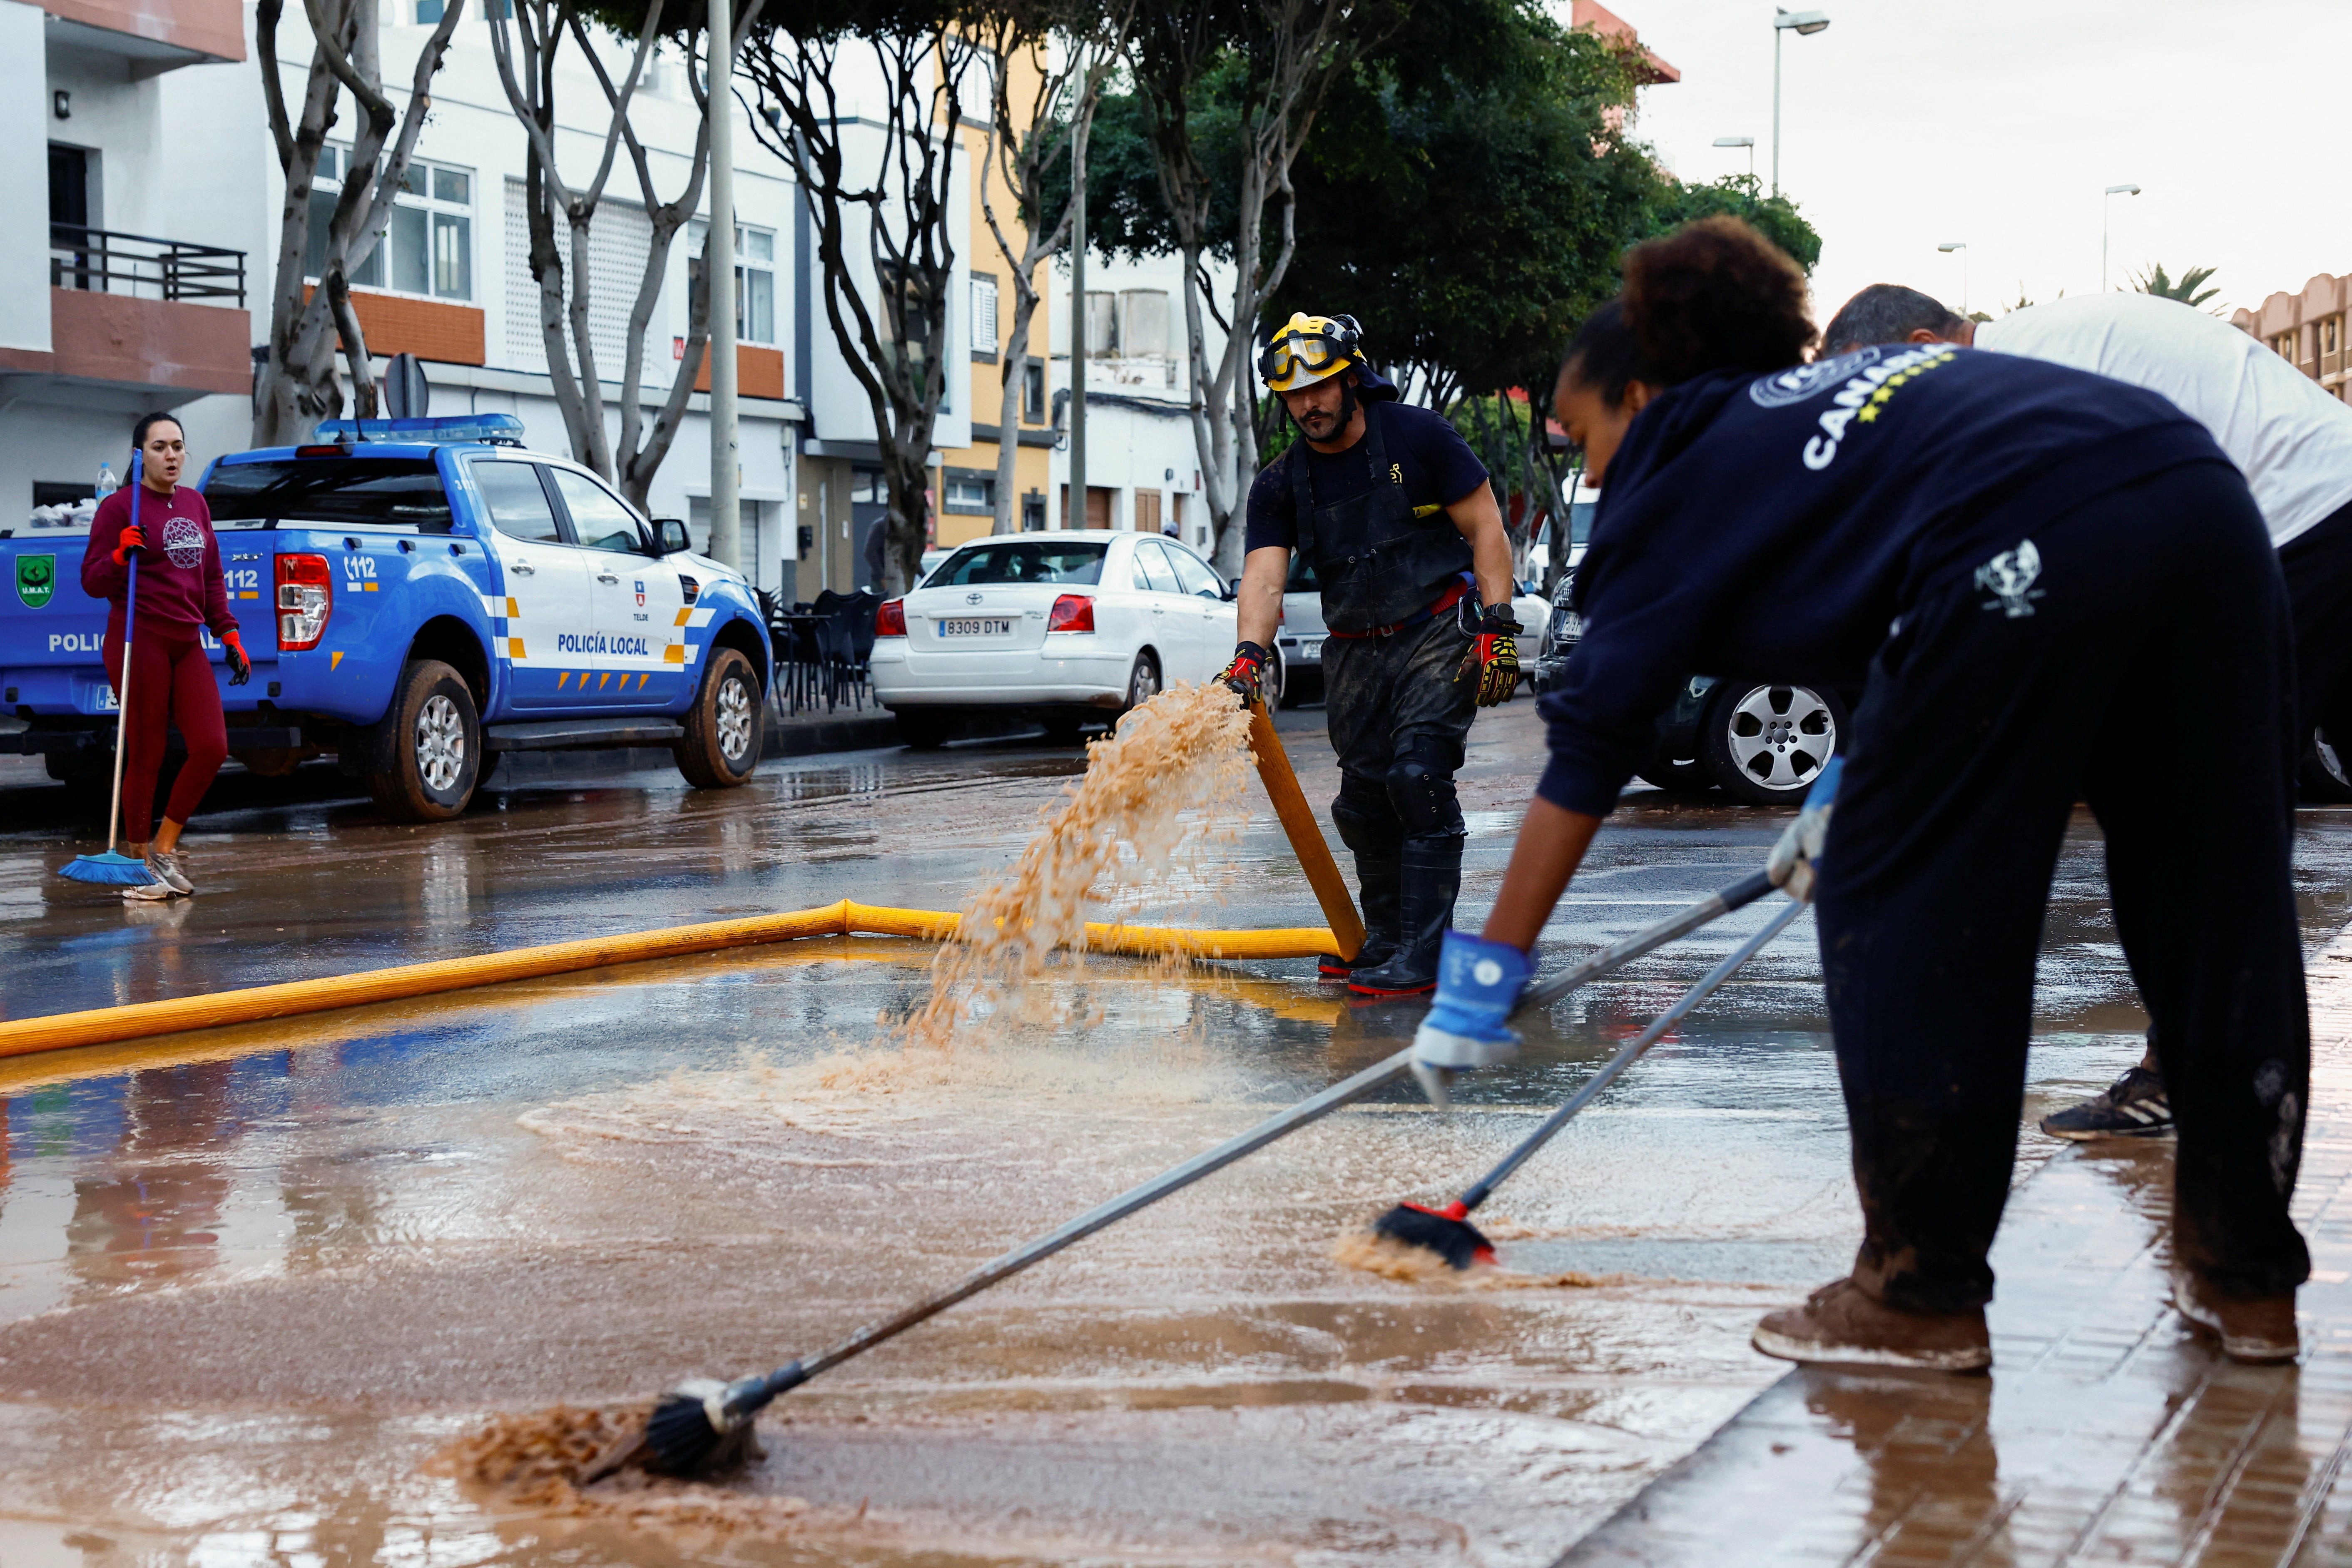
(1427, 455)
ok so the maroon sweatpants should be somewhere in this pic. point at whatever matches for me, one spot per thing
(171, 683)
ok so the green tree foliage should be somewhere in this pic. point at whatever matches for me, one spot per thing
(2188, 288)
(1742, 197)
(1470, 217)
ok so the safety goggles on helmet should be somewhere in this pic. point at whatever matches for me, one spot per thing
(1308, 348)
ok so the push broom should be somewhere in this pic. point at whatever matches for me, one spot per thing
(702, 1425)
(112, 869)
(1448, 1232)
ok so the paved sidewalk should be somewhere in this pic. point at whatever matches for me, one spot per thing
(2105, 1434)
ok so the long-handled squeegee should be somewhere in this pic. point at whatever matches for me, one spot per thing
(704, 1424)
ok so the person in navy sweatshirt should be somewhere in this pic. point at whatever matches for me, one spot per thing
(2058, 589)
(181, 593)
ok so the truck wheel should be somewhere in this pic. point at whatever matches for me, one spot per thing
(1764, 745)
(723, 727)
(436, 744)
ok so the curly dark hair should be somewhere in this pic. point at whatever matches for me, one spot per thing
(1713, 295)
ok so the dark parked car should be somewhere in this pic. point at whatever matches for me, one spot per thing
(1758, 742)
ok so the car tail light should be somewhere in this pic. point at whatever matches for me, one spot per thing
(306, 598)
(1071, 613)
(891, 620)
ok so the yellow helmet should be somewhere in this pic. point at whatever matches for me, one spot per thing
(1308, 348)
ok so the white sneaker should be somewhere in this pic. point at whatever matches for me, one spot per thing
(155, 892)
(171, 870)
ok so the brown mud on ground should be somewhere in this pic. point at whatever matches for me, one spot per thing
(534, 1462)
(1393, 1259)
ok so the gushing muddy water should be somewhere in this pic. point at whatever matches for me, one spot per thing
(311, 1294)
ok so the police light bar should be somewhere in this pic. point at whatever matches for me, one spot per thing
(503, 429)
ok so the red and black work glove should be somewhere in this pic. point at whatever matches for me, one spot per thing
(1494, 656)
(133, 538)
(1246, 674)
(240, 669)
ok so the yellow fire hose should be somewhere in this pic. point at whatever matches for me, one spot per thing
(1305, 835)
(99, 1026)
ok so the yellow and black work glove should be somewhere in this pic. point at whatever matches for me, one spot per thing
(1246, 674)
(1494, 656)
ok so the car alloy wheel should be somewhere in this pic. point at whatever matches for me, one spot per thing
(1142, 681)
(736, 713)
(440, 743)
(1766, 744)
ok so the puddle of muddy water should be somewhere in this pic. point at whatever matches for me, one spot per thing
(249, 1305)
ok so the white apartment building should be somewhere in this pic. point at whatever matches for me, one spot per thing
(141, 130)
(1143, 464)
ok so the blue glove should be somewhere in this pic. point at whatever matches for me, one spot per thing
(1478, 984)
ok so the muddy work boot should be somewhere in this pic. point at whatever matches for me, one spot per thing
(2134, 1106)
(1377, 880)
(1431, 877)
(1841, 1325)
(2258, 1330)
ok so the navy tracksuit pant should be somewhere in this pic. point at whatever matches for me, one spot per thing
(2142, 664)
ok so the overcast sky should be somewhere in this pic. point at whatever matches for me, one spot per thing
(1999, 123)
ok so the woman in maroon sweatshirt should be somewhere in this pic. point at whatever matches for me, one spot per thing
(181, 592)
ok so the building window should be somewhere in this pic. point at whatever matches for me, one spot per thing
(755, 279)
(983, 312)
(1143, 323)
(971, 494)
(1102, 326)
(429, 247)
(2328, 340)
(1033, 394)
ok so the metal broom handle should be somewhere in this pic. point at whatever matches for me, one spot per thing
(122, 697)
(754, 1393)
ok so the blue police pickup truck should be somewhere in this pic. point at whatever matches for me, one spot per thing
(420, 596)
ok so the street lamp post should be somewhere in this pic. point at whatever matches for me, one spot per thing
(1747, 141)
(2107, 205)
(1961, 245)
(1805, 24)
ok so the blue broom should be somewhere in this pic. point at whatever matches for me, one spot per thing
(111, 869)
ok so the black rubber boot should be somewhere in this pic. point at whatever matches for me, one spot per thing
(1377, 881)
(1431, 878)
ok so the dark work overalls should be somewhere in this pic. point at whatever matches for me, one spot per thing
(1394, 704)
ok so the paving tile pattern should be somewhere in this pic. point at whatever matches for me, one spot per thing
(2106, 1434)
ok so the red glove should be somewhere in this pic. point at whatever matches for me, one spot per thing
(1246, 674)
(133, 538)
(240, 667)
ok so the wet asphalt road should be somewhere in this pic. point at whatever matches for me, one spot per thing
(251, 1281)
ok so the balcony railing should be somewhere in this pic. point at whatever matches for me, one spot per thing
(105, 261)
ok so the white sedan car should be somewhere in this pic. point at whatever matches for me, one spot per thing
(1062, 627)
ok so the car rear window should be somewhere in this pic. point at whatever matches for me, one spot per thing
(1022, 561)
(382, 490)
(1302, 577)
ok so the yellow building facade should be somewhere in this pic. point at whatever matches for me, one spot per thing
(964, 501)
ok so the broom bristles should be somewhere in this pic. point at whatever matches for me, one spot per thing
(1451, 1235)
(109, 870)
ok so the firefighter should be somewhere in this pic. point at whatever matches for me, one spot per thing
(1395, 515)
